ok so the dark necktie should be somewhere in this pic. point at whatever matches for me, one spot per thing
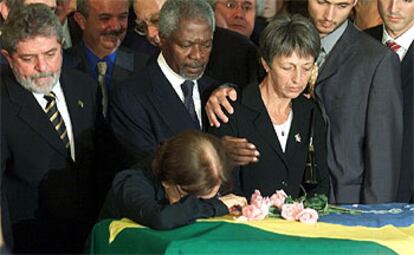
(321, 58)
(56, 119)
(102, 68)
(393, 46)
(187, 88)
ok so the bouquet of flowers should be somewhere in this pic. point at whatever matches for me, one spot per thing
(305, 209)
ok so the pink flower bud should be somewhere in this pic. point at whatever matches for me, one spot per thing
(308, 215)
(291, 211)
(278, 199)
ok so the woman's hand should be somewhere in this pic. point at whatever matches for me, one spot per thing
(233, 202)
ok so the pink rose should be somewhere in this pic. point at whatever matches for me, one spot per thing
(263, 203)
(308, 215)
(278, 199)
(251, 212)
(291, 211)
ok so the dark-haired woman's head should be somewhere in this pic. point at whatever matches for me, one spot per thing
(193, 162)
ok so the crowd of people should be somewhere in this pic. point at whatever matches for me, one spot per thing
(166, 111)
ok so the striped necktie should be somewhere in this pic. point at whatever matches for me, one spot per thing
(187, 88)
(393, 45)
(102, 69)
(56, 119)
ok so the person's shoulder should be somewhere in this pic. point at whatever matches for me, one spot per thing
(136, 173)
(376, 32)
(305, 100)
(138, 57)
(139, 83)
(77, 77)
(368, 45)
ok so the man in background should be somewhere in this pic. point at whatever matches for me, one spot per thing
(398, 34)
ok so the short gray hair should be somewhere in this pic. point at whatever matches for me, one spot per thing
(287, 34)
(29, 22)
(173, 11)
(212, 3)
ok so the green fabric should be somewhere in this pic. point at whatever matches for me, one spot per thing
(221, 238)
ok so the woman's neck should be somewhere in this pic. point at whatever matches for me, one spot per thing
(277, 107)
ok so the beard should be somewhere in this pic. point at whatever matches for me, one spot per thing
(192, 76)
(32, 84)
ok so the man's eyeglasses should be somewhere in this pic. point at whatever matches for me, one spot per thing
(232, 5)
(141, 26)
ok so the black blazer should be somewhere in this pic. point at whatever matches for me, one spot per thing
(45, 191)
(146, 110)
(406, 186)
(275, 169)
(109, 152)
(138, 195)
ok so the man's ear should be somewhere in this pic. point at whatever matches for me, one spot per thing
(7, 55)
(80, 19)
(162, 41)
(355, 3)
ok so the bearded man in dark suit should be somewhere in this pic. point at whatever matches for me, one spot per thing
(48, 119)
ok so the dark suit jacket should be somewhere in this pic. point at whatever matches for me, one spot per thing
(109, 152)
(138, 195)
(406, 186)
(48, 195)
(359, 87)
(275, 169)
(233, 57)
(127, 62)
(146, 110)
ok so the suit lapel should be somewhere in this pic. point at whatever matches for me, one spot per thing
(33, 115)
(296, 147)
(341, 52)
(261, 120)
(124, 65)
(407, 66)
(167, 102)
(75, 104)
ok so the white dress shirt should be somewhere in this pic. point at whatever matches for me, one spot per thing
(63, 110)
(176, 80)
(405, 40)
(282, 131)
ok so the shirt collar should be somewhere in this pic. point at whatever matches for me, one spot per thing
(175, 79)
(57, 89)
(93, 59)
(329, 41)
(405, 40)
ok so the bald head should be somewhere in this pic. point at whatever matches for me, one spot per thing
(148, 13)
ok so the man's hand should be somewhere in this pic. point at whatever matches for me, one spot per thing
(232, 202)
(217, 99)
(240, 150)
